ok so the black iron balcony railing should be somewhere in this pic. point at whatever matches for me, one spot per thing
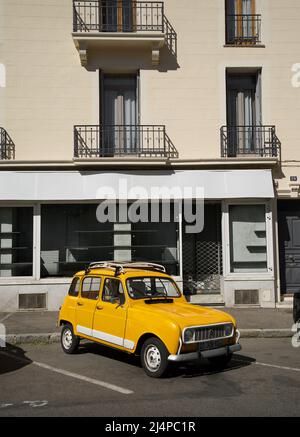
(243, 29)
(122, 140)
(123, 16)
(258, 141)
(7, 147)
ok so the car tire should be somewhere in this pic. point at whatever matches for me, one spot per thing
(154, 357)
(69, 341)
(221, 362)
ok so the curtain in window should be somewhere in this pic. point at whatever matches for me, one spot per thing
(120, 115)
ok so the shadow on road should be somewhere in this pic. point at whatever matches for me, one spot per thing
(186, 370)
(203, 367)
(12, 358)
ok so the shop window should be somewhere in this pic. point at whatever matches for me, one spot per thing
(16, 241)
(72, 238)
(157, 242)
(248, 241)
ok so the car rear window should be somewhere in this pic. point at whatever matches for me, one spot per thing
(74, 287)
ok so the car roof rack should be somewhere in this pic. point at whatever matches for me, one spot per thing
(120, 266)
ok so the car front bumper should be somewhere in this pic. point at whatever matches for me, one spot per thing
(226, 350)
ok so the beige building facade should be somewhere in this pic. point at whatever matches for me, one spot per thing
(180, 93)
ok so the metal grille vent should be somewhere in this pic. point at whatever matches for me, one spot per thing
(246, 297)
(32, 301)
(214, 332)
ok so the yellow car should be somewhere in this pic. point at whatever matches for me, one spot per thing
(139, 309)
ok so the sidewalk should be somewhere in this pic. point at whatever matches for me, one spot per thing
(31, 327)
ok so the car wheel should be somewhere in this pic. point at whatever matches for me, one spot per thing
(220, 362)
(69, 341)
(154, 357)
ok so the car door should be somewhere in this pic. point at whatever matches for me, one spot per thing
(111, 314)
(86, 304)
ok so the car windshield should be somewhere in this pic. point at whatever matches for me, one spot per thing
(149, 287)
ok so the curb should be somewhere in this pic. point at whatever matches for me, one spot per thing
(33, 338)
(266, 333)
(50, 338)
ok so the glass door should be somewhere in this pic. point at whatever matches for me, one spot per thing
(240, 21)
(119, 129)
(116, 15)
(243, 113)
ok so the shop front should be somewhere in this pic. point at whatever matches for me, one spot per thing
(50, 228)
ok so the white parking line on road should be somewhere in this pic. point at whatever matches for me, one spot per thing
(85, 378)
(294, 369)
(71, 374)
(275, 366)
(6, 317)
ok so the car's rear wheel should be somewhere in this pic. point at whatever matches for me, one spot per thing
(154, 357)
(69, 341)
(220, 362)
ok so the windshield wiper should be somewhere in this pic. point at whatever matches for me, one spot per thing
(162, 299)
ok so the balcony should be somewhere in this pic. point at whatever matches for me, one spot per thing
(7, 147)
(106, 141)
(122, 24)
(243, 30)
(250, 141)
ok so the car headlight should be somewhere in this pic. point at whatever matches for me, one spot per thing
(228, 330)
(189, 335)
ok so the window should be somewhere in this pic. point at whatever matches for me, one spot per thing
(157, 242)
(74, 287)
(91, 288)
(244, 112)
(151, 287)
(71, 238)
(113, 291)
(16, 241)
(242, 22)
(248, 239)
(119, 115)
(116, 15)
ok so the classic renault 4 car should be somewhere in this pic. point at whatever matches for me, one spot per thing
(139, 309)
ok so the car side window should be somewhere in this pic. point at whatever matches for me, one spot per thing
(113, 290)
(91, 287)
(74, 287)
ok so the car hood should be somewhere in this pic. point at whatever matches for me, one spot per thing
(185, 314)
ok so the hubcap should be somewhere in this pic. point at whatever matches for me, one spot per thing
(152, 358)
(67, 339)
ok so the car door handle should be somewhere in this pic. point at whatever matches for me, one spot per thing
(80, 304)
(99, 308)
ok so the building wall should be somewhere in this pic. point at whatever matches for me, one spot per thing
(47, 90)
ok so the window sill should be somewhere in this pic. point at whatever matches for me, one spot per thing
(249, 277)
(245, 46)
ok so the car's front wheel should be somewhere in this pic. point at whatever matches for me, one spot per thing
(220, 362)
(154, 357)
(69, 341)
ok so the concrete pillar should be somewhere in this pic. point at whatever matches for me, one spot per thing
(6, 240)
(123, 240)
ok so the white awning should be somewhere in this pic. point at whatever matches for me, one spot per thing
(75, 185)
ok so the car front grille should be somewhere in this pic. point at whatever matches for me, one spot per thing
(213, 332)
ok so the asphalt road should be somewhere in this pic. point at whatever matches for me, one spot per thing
(262, 380)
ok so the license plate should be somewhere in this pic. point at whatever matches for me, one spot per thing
(211, 344)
